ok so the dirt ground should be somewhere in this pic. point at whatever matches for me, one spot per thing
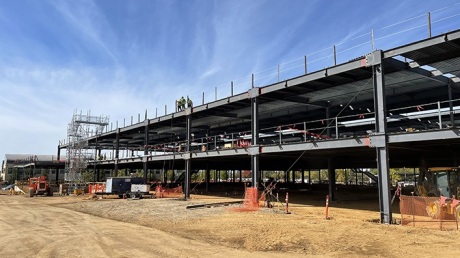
(73, 226)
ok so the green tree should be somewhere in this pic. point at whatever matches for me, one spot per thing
(87, 176)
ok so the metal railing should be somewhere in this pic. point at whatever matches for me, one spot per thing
(416, 28)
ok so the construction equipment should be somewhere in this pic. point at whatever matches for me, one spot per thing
(121, 186)
(443, 182)
(39, 186)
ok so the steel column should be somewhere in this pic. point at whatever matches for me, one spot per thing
(117, 150)
(188, 161)
(207, 177)
(146, 150)
(331, 175)
(303, 175)
(328, 113)
(451, 104)
(255, 136)
(381, 131)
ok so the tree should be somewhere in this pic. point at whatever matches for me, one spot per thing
(87, 176)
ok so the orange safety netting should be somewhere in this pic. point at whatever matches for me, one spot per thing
(163, 192)
(251, 200)
(429, 212)
(96, 188)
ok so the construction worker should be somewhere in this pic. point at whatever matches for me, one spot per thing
(182, 103)
(189, 102)
(179, 107)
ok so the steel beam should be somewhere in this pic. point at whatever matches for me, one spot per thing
(422, 44)
(444, 134)
(381, 130)
(354, 142)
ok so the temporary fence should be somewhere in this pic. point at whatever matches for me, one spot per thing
(251, 200)
(430, 212)
(164, 192)
(96, 188)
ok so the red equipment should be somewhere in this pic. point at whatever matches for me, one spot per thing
(39, 186)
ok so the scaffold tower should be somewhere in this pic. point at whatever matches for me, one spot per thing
(79, 129)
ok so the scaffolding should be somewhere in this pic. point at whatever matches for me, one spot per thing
(78, 152)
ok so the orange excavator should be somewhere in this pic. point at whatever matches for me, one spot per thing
(39, 186)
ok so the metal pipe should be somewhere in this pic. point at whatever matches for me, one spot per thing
(304, 131)
(280, 135)
(305, 64)
(439, 115)
(451, 104)
(372, 40)
(252, 80)
(429, 24)
(278, 73)
(335, 55)
(336, 128)
(231, 88)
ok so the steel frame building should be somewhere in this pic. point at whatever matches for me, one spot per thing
(381, 110)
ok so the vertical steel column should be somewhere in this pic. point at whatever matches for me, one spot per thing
(328, 113)
(303, 175)
(207, 177)
(254, 150)
(98, 170)
(96, 159)
(58, 158)
(117, 150)
(305, 64)
(188, 156)
(381, 143)
(429, 24)
(451, 104)
(146, 149)
(331, 175)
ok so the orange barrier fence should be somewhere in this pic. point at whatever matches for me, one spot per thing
(430, 212)
(251, 200)
(96, 188)
(163, 192)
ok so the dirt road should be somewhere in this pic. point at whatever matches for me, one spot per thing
(75, 227)
(31, 228)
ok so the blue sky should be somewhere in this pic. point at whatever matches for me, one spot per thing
(120, 58)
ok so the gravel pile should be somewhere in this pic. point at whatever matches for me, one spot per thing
(146, 211)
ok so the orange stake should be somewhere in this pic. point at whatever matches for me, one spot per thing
(287, 203)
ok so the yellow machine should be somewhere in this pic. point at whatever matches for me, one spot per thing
(443, 182)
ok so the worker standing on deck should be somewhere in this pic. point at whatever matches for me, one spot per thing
(189, 102)
(182, 103)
